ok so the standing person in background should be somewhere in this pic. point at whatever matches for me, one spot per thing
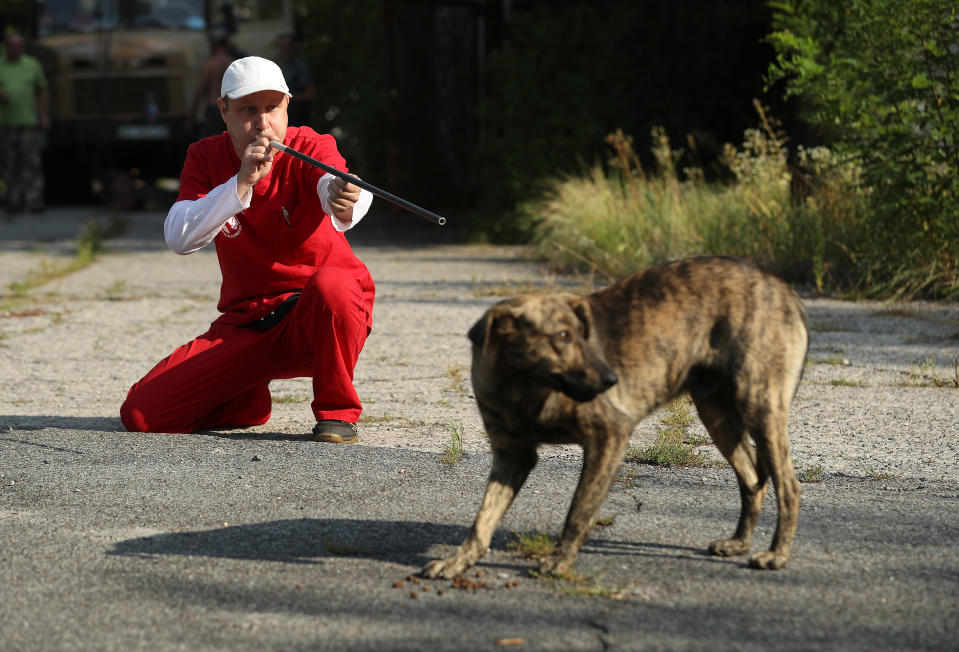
(298, 75)
(295, 300)
(24, 117)
(208, 86)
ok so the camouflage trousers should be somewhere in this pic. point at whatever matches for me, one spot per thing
(21, 167)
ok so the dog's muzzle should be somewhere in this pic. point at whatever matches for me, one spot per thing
(585, 387)
(609, 378)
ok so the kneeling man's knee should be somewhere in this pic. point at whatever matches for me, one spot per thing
(133, 418)
(338, 293)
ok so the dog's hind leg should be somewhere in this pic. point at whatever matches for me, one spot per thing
(771, 446)
(509, 472)
(602, 456)
(729, 434)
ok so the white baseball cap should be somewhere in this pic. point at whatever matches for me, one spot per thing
(252, 75)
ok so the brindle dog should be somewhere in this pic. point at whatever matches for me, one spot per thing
(561, 368)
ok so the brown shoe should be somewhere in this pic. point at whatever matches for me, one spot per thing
(335, 431)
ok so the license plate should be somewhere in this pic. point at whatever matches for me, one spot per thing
(143, 132)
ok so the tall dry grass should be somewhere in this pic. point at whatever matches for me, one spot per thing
(800, 222)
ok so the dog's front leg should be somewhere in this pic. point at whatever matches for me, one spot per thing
(601, 460)
(509, 472)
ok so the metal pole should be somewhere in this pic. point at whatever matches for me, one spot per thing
(393, 199)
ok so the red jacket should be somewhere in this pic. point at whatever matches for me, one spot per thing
(269, 250)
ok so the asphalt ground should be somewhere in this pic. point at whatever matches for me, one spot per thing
(260, 539)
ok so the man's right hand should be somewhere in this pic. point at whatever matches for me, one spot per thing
(256, 164)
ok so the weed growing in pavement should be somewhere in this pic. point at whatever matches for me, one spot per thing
(698, 440)
(574, 583)
(953, 380)
(876, 474)
(627, 476)
(458, 378)
(674, 445)
(454, 450)
(831, 360)
(925, 374)
(291, 398)
(196, 296)
(678, 414)
(89, 246)
(899, 310)
(842, 382)
(45, 273)
(532, 544)
(811, 474)
(508, 289)
(827, 327)
(376, 419)
(916, 377)
(118, 287)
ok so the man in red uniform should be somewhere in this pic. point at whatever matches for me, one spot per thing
(295, 300)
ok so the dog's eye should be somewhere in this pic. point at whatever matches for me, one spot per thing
(563, 335)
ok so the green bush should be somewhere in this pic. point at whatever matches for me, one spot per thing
(880, 80)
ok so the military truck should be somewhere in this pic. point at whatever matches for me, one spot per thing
(122, 76)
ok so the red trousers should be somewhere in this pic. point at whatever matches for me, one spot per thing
(221, 379)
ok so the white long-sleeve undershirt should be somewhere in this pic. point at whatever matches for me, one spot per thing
(192, 224)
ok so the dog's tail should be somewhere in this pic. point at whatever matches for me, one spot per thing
(801, 307)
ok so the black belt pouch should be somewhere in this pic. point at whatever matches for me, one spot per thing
(264, 324)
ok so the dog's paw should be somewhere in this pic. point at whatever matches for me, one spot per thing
(554, 565)
(729, 547)
(445, 568)
(768, 560)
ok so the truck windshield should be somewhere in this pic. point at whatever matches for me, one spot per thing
(70, 16)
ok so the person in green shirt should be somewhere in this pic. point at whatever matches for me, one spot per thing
(24, 117)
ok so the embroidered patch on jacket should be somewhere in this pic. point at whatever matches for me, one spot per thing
(232, 227)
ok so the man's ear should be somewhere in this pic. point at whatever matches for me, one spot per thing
(582, 310)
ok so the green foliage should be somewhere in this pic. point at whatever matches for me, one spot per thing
(880, 78)
(345, 45)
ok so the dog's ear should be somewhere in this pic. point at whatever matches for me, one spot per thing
(581, 308)
(479, 333)
(499, 318)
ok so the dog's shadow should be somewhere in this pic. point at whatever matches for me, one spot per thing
(315, 541)
(300, 541)
(615, 547)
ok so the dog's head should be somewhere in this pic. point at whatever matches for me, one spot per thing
(543, 340)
